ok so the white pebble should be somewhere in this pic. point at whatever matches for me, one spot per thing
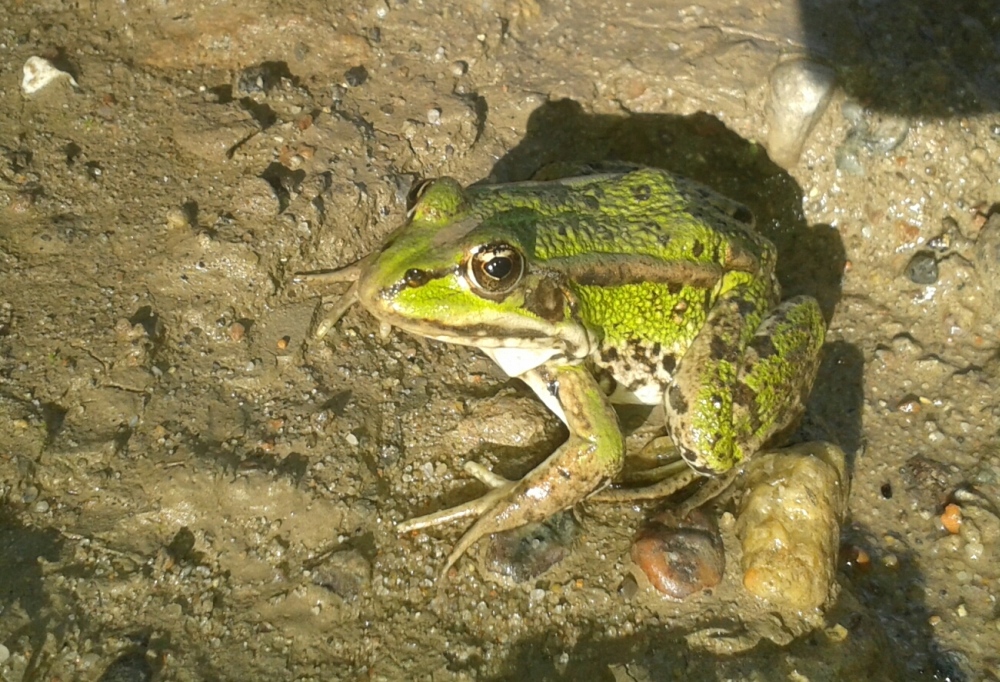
(799, 92)
(351, 439)
(4, 653)
(38, 73)
(434, 116)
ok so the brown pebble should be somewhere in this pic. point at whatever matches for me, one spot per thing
(951, 518)
(680, 557)
(283, 342)
(237, 331)
(856, 557)
(177, 218)
(629, 587)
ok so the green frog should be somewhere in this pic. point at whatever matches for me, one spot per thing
(635, 286)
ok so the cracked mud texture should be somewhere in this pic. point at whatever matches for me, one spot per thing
(191, 488)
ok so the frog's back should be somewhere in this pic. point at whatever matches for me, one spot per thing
(647, 212)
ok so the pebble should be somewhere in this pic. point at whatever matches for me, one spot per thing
(257, 80)
(986, 256)
(237, 330)
(434, 116)
(177, 218)
(525, 553)
(4, 654)
(951, 518)
(39, 73)
(680, 557)
(922, 268)
(356, 76)
(789, 524)
(345, 573)
(799, 94)
(41, 507)
(130, 667)
(459, 68)
(886, 133)
(847, 160)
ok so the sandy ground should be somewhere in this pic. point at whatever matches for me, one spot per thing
(192, 489)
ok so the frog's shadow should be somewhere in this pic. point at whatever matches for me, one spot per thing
(811, 258)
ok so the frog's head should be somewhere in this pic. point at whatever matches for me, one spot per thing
(469, 277)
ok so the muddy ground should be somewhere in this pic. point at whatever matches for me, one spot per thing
(193, 489)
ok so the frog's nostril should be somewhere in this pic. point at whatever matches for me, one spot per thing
(415, 277)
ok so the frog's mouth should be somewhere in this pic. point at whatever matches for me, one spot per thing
(512, 341)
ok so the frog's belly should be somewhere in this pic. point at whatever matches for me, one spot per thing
(634, 375)
(647, 394)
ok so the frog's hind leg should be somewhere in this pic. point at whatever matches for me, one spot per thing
(592, 456)
(499, 484)
(744, 379)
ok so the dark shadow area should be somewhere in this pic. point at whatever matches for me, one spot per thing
(835, 405)
(916, 57)
(894, 597)
(21, 547)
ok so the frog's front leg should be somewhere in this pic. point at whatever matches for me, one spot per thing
(591, 457)
(744, 379)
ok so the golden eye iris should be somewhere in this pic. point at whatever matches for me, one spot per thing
(495, 269)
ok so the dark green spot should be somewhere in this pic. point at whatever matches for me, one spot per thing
(764, 347)
(718, 348)
(697, 249)
(744, 215)
(745, 307)
(641, 193)
(678, 403)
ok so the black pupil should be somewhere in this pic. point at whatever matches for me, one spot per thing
(498, 267)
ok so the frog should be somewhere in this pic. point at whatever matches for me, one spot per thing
(632, 286)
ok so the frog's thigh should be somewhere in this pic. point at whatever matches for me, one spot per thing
(742, 379)
(777, 372)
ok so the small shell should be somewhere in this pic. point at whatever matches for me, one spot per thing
(39, 73)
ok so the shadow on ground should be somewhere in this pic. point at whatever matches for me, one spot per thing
(920, 57)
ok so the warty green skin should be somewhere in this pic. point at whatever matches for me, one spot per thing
(636, 287)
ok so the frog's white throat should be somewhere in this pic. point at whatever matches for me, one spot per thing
(517, 361)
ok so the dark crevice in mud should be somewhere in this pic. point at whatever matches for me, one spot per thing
(54, 416)
(284, 181)
(293, 466)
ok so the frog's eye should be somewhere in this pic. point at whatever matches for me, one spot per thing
(495, 269)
